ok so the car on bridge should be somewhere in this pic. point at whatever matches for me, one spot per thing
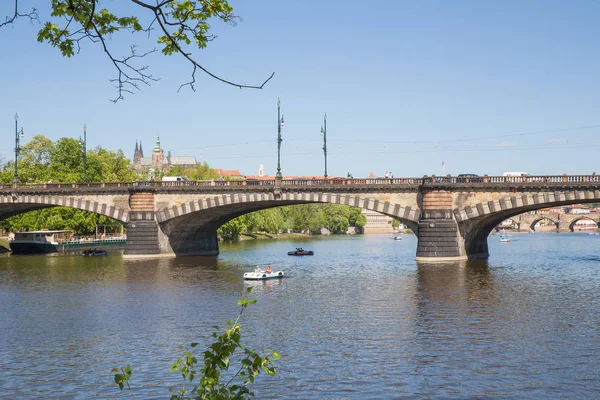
(463, 178)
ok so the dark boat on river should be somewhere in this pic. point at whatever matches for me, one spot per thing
(300, 252)
(95, 252)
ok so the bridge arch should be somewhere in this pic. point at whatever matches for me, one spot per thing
(580, 218)
(185, 225)
(543, 217)
(476, 222)
(14, 205)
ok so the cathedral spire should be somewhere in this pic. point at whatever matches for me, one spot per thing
(136, 146)
(157, 145)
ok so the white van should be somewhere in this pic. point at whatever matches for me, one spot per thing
(174, 178)
(515, 174)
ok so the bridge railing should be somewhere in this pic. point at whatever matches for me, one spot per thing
(393, 182)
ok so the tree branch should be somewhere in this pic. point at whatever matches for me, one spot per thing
(181, 23)
(159, 13)
(33, 16)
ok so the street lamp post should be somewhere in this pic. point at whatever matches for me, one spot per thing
(280, 125)
(84, 148)
(17, 147)
(324, 134)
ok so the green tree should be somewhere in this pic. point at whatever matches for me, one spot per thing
(232, 230)
(201, 172)
(81, 222)
(110, 166)
(66, 161)
(34, 162)
(361, 221)
(177, 26)
(42, 160)
(226, 350)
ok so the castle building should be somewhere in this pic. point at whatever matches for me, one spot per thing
(157, 163)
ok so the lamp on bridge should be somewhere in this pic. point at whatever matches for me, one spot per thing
(324, 134)
(280, 124)
(84, 149)
(17, 147)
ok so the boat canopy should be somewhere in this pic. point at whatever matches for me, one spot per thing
(62, 231)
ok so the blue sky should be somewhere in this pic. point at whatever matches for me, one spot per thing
(486, 87)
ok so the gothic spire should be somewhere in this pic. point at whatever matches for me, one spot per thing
(157, 145)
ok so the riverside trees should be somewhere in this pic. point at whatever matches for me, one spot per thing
(300, 218)
(61, 161)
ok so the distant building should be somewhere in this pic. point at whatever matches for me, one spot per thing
(577, 209)
(232, 173)
(157, 163)
(377, 222)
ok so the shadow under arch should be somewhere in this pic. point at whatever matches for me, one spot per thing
(196, 230)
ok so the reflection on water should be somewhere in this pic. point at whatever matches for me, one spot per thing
(359, 319)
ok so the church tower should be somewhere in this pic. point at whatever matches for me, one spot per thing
(158, 156)
(137, 155)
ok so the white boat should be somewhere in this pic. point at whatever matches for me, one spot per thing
(398, 237)
(504, 239)
(260, 275)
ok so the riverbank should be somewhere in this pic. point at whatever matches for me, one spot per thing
(4, 246)
(270, 236)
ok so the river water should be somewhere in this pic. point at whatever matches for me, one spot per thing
(358, 320)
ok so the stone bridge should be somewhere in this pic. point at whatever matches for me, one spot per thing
(451, 216)
(560, 222)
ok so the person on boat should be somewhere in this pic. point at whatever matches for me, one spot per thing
(257, 269)
(269, 269)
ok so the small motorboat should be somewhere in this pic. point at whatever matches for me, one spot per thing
(300, 252)
(95, 252)
(504, 239)
(260, 275)
(398, 237)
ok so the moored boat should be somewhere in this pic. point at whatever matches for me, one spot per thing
(41, 242)
(37, 242)
(300, 252)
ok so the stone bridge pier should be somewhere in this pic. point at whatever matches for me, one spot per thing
(438, 234)
(146, 237)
